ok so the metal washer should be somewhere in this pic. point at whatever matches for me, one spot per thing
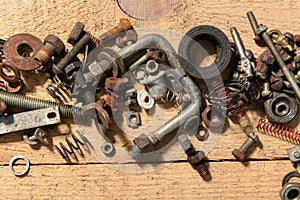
(12, 162)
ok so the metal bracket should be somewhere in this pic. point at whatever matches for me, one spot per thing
(29, 120)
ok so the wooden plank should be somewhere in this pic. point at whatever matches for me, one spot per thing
(231, 180)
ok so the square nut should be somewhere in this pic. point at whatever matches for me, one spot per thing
(144, 143)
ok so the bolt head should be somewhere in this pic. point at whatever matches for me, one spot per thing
(58, 44)
(125, 24)
(199, 156)
(266, 93)
(76, 33)
(239, 154)
(144, 143)
(297, 154)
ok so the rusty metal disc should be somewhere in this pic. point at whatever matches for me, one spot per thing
(20, 50)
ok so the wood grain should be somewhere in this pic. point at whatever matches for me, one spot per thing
(51, 178)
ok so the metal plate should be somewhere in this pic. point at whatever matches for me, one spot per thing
(29, 119)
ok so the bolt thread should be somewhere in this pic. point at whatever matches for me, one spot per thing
(203, 170)
(17, 100)
(42, 56)
(95, 41)
(279, 131)
(88, 97)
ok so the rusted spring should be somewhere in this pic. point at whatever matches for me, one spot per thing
(279, 131)
(12, 68)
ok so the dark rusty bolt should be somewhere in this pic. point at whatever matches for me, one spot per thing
(78, 32)
(2, 107)
(144, 143)
(276, 83)
(53, 47)
(131, 36)
(123, 25)
(240, 153)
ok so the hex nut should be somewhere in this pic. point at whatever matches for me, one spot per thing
(143, 143)
(290, 191)
(58, 44)
(133, 119)
(72, 68)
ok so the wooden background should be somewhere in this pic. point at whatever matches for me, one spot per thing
(50, 177)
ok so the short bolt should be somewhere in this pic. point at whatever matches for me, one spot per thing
(123, 25)
(131, 36)
(29, 103)
(266, 93)
(53, 47)
(240, 153)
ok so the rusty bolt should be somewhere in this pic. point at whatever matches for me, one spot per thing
(131, 36)
(123, 25)
(276, 83)
(197, 162)
(144, 144)
(240, 153)
(53, 46)
(2, 107)
(76, 33)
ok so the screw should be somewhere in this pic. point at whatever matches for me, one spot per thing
(195, 158)
(53, 46)
(131, 36)
(29, 103)
(240, 153)
(261, 31)
(266, 93)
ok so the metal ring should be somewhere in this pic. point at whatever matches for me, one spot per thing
(289, 176)
(12, 162)
(12, 68)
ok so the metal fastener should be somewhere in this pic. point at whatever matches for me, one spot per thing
(261, 31)
(29, 103)
(266, 93)
(240, 153)
(53, 46)
(131, 36)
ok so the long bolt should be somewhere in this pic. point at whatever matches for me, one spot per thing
(262, 31)
(29, 103)
(69, 57)
(240, 153)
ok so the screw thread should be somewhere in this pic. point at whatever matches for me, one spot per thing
(203, 170)
(95, 41)
(24, 102)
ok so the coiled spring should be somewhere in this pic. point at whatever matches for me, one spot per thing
(228, 97)
(279, 131)
(59, 90)
(65, 151)
(170, 97)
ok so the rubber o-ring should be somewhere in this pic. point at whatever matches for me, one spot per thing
(217, 38)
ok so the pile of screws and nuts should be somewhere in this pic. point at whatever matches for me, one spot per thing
(100, 74)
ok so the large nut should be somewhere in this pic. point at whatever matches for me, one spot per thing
(281, 108)
(144, 144)
(76, 33)
(57, 43)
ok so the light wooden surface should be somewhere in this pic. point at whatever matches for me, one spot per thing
(51, 177)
